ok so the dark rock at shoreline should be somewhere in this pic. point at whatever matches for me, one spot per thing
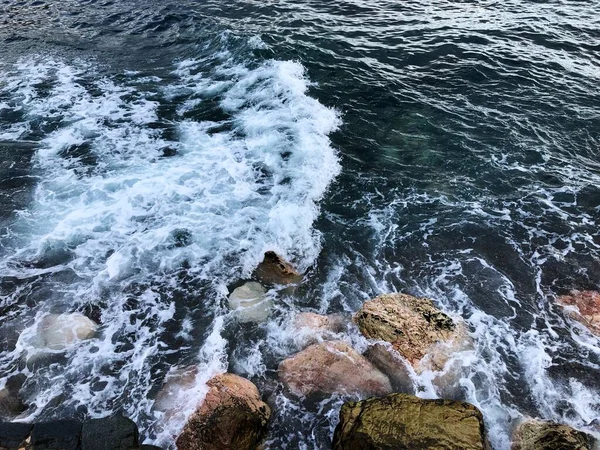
(61, 434)
(331, 367)
(14, 435)
(540, 435)
(274, 270)
(110, 433)
(232, 416)
(11, 404)
(405, 422)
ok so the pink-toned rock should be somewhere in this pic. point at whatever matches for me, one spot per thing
(232, 416)
(319, 323)
(276, 270)
(583, 306)
(331, 367)
(417, 330)
(393, 366)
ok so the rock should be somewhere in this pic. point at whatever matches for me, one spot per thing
(110, 433)
(310, 328)
(319, 323)
(232, 416)
(405, 422)
(274, 270)
(414, 327)
(171, 396)
(331, 367)
(14, 435)
(250, 303)
(10, 403)
(535, 434)
(393, 366)
(57, 331)
(583, 306)
(60, 434)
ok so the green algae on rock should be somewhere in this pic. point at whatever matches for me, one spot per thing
(406, 422)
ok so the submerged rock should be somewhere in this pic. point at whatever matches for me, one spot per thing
(405, 422)
(536, 434)
(250, 302)
(414, 327)
(172, 395)
(274, 270)
(310, 328)
(393, 366)
(232, 416)
(331, 367)
(11, 404)
(583, 306)
(57, 331)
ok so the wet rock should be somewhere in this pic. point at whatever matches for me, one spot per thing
(171, 395)
(583, 306)
(168, 152)
(14, 435)
(393, 366)
(10, 403)
(232, 416)
(57, 331)
(274, 270)
(250, 302)
(60, 434)
(414, 327)
(331, 367)
(310, 328)
(319, 323)
(402, 421)
(110, 433)
(535, 434)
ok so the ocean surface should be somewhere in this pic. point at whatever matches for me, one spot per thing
(152, 151)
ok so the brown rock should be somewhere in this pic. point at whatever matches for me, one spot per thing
(232, 416)
(275, 270)
(405, 422)
(539, 435)
(414, 327)
(584, 306)
(331, 367)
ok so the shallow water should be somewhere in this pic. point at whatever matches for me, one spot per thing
(152, 151)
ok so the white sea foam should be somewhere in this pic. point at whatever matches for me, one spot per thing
(237, 187)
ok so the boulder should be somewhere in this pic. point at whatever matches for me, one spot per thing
(536, 434)
(232, 416)
(14, 435)
(393, 366)
(250, 303)
(58, 331)
(274, 270)
(414, 327)
(332, 367)
(60, 434)
(110, 433)
(405, 422)
(583, 306)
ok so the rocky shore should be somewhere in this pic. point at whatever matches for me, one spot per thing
(405, 335)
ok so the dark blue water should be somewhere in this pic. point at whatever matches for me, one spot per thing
(152, 151)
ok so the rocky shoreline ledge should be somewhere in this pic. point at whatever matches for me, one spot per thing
(405, 335)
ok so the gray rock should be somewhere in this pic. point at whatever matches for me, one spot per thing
(58, 435)
(14, 435)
